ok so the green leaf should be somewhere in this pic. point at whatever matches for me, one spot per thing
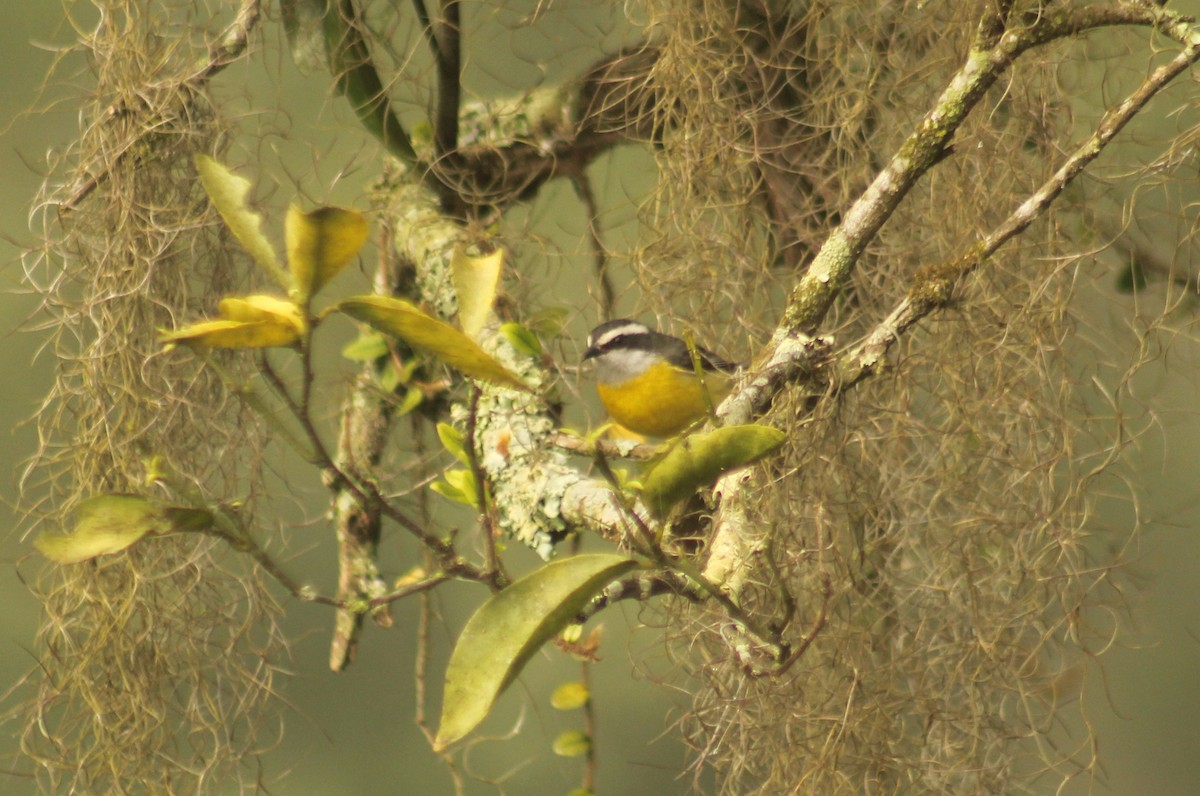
(464, 482)
(459, 486)
(452, 441)
(509, 628)
(476, 277)
(521, 339)
(390, 379)
(570, 696)
(572, 743)
(410, 367)
(320, 243)
(412, 399)
(697, 461)
(367, 347)
(227, 191)
(111, 523)
(358, 80)
(401, 319)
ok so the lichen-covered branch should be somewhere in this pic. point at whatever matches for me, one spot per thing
(932, 286)
(365, 423)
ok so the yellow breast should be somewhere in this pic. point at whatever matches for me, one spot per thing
(661, 401)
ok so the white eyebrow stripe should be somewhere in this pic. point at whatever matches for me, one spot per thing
(612, 334)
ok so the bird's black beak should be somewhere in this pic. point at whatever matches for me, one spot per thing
(591, 351)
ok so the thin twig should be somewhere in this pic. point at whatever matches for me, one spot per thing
(590, 765)
(498, 578)
(651, 548)
(407, 591)
(608, 295)
(421, 677)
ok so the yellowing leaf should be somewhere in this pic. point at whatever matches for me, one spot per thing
(245, 322)
(509, 628)
(111, 523)
(319, 245)
(260, 307)
(231, 334)
(569, 696)
(227, 191)
(475, 279)
(697, 461)
(572, 743)
(401, 319)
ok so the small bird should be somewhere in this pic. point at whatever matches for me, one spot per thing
(647, 381)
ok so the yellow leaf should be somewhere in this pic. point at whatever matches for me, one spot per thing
(509, 628)
(257, 321)
(227, 191)
(475, 279)
(259, 307)
(231, 334)
(569, 696)
(401, 319)
(319, 245)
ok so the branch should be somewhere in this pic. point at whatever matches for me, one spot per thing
(507, 149)
(789, 353)
(830, 271)
(933, 286)
(366, 418)
(448, 56)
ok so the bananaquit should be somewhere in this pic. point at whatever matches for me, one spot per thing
(647, 381)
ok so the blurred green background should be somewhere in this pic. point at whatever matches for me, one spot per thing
(352, 733)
